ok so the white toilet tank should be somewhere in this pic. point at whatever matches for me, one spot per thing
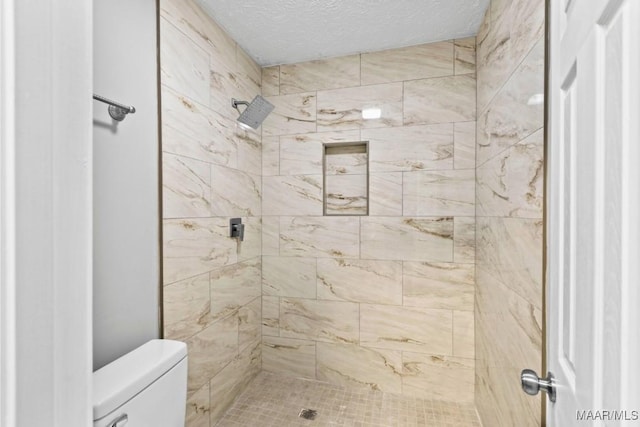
(144, 388)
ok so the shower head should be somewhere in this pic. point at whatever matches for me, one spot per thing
(256, 111)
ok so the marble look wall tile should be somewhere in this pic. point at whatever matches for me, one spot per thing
(234, 286)
(410, 148)
(322, 237)
(189, 18)
(211, 350)
(191, 130)
(289, 277)
(408, 63)
(530, 18)
(439, 193)
(270, 235)
(225, 82)
(331, 73)
(197, 413)
(249, 150)
(346, 194)
(234, 193)
(463, 334)
(341, 109)
(346, 160)
(270, 316)
(271, 156)
(353, 366)
(195, 246)
(232, 381)
(464, 239)
(252, 244)
(511, 183)
(360, 281)
(465, 55)
(407, 238)
(512, 115)
(271, 81)
(511, 249)
(292, 114)
(385, 194)
(328, 321)
(438, 285)
(438, 377)
(186, 190)
(184, 66)
(250, 325)
(440, 100)
(406, 328)
(187, 307)
(288, 356)
(250, 74)
(464, 151)
(292, 195)
(302, 154)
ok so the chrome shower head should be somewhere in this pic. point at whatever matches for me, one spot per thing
(256, 111)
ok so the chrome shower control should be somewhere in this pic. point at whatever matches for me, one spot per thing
(532, 384)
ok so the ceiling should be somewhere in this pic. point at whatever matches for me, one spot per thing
(287, 31)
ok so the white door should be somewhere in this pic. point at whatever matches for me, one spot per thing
(593, 211)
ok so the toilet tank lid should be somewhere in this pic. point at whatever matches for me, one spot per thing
(120, 380)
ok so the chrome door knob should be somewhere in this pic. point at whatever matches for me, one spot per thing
(532, 384)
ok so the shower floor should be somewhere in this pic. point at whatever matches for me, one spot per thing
(275, 400)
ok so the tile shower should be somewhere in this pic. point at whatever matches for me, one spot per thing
(381, 302)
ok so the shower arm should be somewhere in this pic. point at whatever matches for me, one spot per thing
(235, 103)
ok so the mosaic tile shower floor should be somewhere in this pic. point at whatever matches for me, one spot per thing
(274, 400)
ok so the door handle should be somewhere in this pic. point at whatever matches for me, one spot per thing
(532, 384)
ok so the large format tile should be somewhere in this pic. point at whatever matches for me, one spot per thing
(407, 238)
(251, 246)
(332, 73)
(464, 143)
(270, 155)
(270, 316)
(346, 194)
(406, 328)
(438, 377)
(197, 413)
(186, 190)
(195, 246)
(513, 114)
(292, 114)
(211, 350)
(302, 154)
(191, 130)
(440, 100)
(250, 325)
(271, 81)
(439, 193)
(354, 366)
(234, 286)
(187, 307)
(410, 148)
(249, 150)
(322, 237)
(408, 63)
(329, 321)
(465, 55)
(270, 235)
(289, 277)
(385, 194)
(464, 239)
(292, 195)
(234, 193)
(463, 334)
(360, 280)
(341, 109)
(288, 356)
(511, 183)
(438, 285)
(185, 65)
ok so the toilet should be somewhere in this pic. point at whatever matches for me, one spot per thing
(144, 388)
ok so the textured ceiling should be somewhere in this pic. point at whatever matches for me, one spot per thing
(287, 31)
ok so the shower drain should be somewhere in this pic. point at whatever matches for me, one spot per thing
(308, 414)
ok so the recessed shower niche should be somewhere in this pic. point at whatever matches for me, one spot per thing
(346, 178)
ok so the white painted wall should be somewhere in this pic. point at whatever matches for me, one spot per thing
(45, 213)
(126, 181)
